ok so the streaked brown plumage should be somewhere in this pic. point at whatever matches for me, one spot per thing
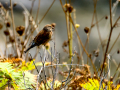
(43, 37)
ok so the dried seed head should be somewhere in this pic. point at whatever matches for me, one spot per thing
(88, 76)
(95, 77)
(113, 87)
(1, 26)
(47, 46)
(118, 51)
(86, 29)
(111, 78)
(20, 30)
(30, 59)
(6, 32)
(105, 64)
(0, 5)
(14, 4)
(65, 43)
(53, 24)
(96, 52)
(105, 81)
(8, 24)
(106, 17)
(90, 55)
(68, 8)
(11, 39)
(22, 42)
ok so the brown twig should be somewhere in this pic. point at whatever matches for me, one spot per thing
(37, 11)
(111, 29)
(116, 70)
(11, 7)
(114, 43)
(80, 40)
(90, 28)
(46, 12)
(32, 7)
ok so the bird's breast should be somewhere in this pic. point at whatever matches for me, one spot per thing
(43, 38)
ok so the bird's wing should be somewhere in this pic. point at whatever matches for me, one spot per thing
(38, 38)
(42, 37)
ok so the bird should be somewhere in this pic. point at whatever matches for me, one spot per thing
(43, 37)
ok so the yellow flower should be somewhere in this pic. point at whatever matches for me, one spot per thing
(77, 25)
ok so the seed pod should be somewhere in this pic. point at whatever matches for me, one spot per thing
(118, 51)
(96, 52)
(68, 8)
(111, 78)
(53, 24)
(22, 42)
(106, 17)
(8, 24)
(86, 29)
(11, 39)
(65, 43)
(6, 32)
(14, 4)
(95, 77)
(20, 30)
(0, 5)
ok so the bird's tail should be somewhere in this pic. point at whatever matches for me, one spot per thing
(31, 46)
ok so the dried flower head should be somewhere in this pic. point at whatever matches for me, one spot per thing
(6, 32)
(0, 5)
(105, 64)
(89, 76)
(11, 38)
(14, 4)
(20, 30)
(22, 42)
(1, 26)
(105, 81)
(96, 52)
(106, 17)
(118, 51)
(95, 77)
(111, 78)
(86, 29)
(8, 24)
(65, 43)
(53, 24)
(68, 8)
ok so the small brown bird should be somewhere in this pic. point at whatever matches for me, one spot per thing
(43, 37)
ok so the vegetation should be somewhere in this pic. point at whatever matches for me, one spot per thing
(17, 68)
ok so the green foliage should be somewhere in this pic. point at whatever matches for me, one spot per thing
(16, 79)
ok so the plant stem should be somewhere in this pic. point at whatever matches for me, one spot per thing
(14, 28)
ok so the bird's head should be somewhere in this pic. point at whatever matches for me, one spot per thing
(48, 28)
